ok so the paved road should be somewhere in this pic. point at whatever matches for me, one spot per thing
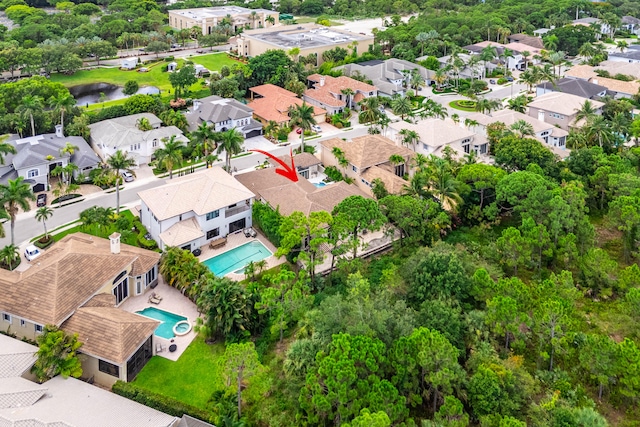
(27, 227)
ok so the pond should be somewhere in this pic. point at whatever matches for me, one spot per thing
(90, 93)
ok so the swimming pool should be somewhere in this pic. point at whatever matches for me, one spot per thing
(236, 259)
(319, 184)
(169, 320)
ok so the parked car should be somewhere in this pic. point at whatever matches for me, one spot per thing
(31, 253)
(492, 81)
(128, 177)
(41, 200)
(316, 128)
(509, 79)
(199, 50)
(143, 70)
(299, 131)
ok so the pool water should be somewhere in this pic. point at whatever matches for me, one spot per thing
(236, 259)
(169, 320)
(319, 184)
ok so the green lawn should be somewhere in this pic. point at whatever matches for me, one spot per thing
(154, 77)
(192, 379)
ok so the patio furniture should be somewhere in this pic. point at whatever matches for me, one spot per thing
(218, 242)
(173, 348)
(247, 232)
(252, 232)
(154, 300)
(160, 348)
(156, 296)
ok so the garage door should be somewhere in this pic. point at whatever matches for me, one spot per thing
(38, 188)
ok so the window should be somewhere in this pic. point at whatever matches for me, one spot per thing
(121, 290)
(154, 144)
(151, 275)
(135, 147)
(467, 148)
(213, 233)
(466, 141)
(353, 168)
(23, 323)
(33, 173)
(38, 328)
(6, 317)
(109, 368)
(399, 170)
(212, 215)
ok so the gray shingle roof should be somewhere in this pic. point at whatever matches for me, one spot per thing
(221, 109)
(576, 87)
(188, 421)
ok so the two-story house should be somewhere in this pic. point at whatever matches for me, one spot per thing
(390, 77)
(37, 156)
(223, 114)
(334, 94)
(578, 87)
(369, 157)
(435, 134)
(191, 211)
(78, 285)
(130, 134)
(272, 103)
(551, 136)
(557, 108)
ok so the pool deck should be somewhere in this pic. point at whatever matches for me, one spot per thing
(174, 302)
(238, 239)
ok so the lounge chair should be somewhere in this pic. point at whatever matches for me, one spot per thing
(247, 232)
(252, 232)
(156, 296)
(160, 348)
(154, 300)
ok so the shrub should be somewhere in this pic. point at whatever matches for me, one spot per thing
(501, 81)
(43, 244)
(169, 59)
(146, 243)
(333, 173)
(268, 220)
(165, 404)
(131, 87)
(65, 198)
(164, 68)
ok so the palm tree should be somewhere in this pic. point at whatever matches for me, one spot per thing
(61, 104)
(43, 214)
(622, 45)
(556, 59)
(416, 81)
(116, 164)
(488, 54)
(170, 155)
(424, 37)
(270, 19)
(5, 148)
(440, 77)
(401, 105)
(599, 129)
(231, 143)
(30, 105)
(204, 136)
(586, 111)
(143, 124)
(302, 116)
(9, 255)
(348, 92)
(409, 137)
(528, 77)
(519, 103)
(485, 105)
(444, 185)
(370, 109)
(397, 160)
(522, 128)
(435, 109)
(13, 197)
(383, 122)
(342, 160)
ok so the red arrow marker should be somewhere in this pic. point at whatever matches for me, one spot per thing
(288, 172)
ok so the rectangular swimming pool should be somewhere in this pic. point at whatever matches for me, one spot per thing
(236, 259)
(169, 320)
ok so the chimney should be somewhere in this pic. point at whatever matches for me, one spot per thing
(541, 115)
(115, 243)
(321, 81)
(196, 105)
(59, 131)
(594, 81)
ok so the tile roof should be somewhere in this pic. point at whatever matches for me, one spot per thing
(67, 276)
(276, 107)
(182, 232)
(17, 392)
(72, 402)
(200, 192)
(302, 160)
(110, 333)
(16, 357)
(215, 109)
(188, 421)
(300, 196)
(392, 182)
(326, 93)
(587, 72)
(581, 88)
(526, 39)
(368, 150)
(381, 72)
(630, 20)
(435, 132)
(269, 89)
(562, 103)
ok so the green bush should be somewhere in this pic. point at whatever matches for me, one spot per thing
(146, 243)
(164, 68)
(169, 59)
(333, 173)
(165, 404)
(131, 87)
(501, 81)
(43, 245)
(65, 198)
(268, 220)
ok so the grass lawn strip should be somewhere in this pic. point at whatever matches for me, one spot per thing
(192, 379)
(457, 106)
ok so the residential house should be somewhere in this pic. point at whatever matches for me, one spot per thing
(391, 77)
(603, 27)
(578, 87)
(557, 108)
(78, 285)
(553, 137)
(469, 71)
(67, 402)
(368, 158)
(287, 196)
(327, 92)
(313, 40)
(631, 24)
(223, 114)
(525, 39)
(307, 165)
(272, 103)
(208, 18)
(124, 134)
(517, 60)
(615, 88)
(191, 211)
(542, 31)
(436, 134)
(37, 156)
(631, 56)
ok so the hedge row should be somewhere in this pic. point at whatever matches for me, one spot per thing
(165, 404)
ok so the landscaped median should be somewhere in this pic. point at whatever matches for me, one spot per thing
(463, 105)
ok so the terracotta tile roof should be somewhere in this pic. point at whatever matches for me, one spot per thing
(562, 103)
(509, 117)
(368, 150)
(392, 182)
(587, 72)
(269, 89)
(326, 93)
(276, 107)
(182, 232)
(110, 333)
(527, 40)
(200, 192)
(324, 97)
(102, 300)
(302, 160)
(67, 276)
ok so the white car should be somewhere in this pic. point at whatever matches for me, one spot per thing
(128, 177)
(316, 128)
(31, 253)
